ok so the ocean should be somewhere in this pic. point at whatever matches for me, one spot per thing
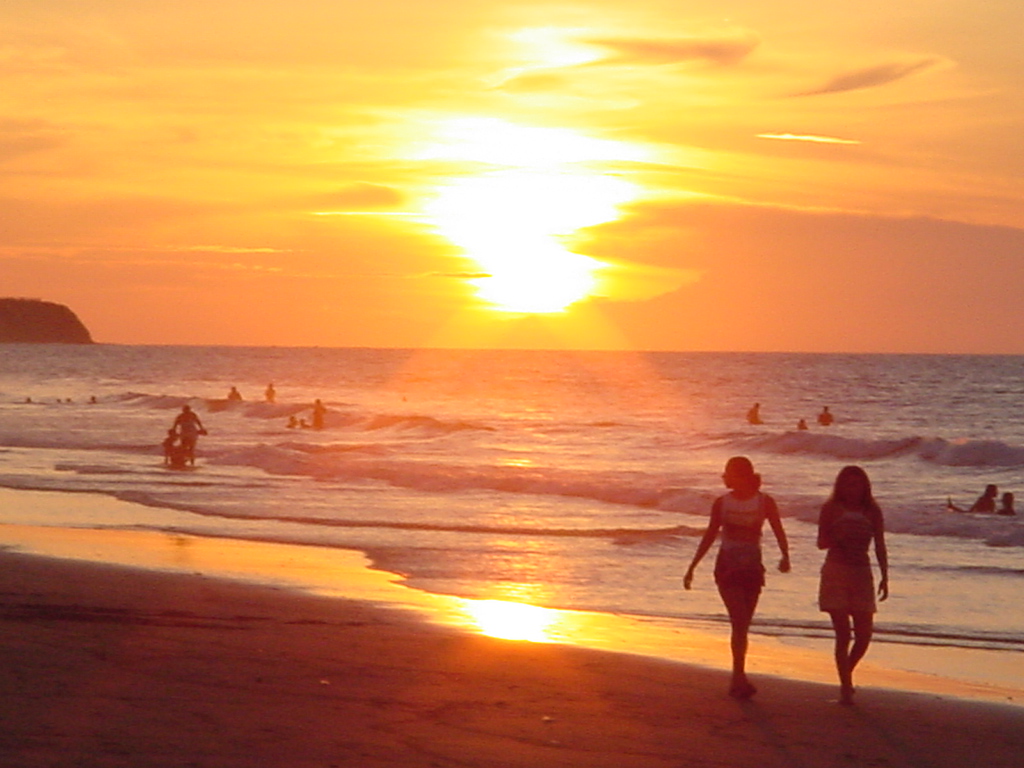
(573, 480)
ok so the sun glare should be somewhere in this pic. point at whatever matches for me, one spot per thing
(555, 46)
(531, 188)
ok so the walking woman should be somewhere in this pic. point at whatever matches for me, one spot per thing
(848, 523)
(739, 573)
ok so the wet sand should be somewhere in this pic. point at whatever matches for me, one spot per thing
(108, 665)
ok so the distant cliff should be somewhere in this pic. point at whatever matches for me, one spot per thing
(40, 322)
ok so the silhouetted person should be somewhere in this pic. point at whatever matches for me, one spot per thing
(319, 411)
(985, 504)
(739, 574)
(270, 394)
(234, 395)
(802, 424)
(170, 446)
(189, 428)
(850, 520)
(825, 418)
(754, 414)
(174, 453)
(1006, 505)
(292, 422)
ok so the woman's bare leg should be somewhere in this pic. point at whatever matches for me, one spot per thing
(841, 626)
(740, 604)
(863, 628)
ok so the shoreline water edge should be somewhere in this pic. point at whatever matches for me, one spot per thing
(967, 673)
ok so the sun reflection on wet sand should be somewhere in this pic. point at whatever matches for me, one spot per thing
(514, 621)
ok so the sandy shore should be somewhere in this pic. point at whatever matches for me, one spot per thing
(111, 666)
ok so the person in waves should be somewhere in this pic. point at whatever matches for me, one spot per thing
(189, 428)
(825, 418)
(739, 574)
(319, 411)
(848, 524)
(174, 454)
(1006, 505)
(984, 504)
(754, 414)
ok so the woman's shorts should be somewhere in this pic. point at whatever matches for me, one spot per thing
(846, 588)
(748, 579)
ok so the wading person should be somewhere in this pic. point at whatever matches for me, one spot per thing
(189, 428)
(739, 573)
(849, 522)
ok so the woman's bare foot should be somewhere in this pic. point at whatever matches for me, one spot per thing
(742, 689)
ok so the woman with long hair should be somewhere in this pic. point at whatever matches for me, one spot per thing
(739, 574)
(849, 522)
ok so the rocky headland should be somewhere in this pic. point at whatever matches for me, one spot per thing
(33, 321)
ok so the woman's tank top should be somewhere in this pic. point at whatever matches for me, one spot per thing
(742, 520)
(851, 534)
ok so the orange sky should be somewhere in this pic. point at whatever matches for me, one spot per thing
(649, 174)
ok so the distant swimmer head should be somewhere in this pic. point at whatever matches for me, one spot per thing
(739, 475)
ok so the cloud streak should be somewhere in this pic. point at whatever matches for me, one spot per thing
(806, 137)
(723, 50)
(870, 77)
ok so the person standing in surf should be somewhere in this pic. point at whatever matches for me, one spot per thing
(739, 573)
(189, 428)
(849, 522)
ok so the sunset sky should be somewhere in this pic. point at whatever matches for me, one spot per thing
(793, 175)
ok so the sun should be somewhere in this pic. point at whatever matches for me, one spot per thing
(525, 191)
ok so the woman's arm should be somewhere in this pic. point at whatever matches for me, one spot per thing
(772, 513)
(883, 556)
(714, 524)
(825, 518)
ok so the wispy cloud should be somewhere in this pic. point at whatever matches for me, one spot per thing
(871, 77)
(718, 50)
(806, 137)
(460, 275)
(226, 249)
(360, 196)
(22, 137)
(407, 214)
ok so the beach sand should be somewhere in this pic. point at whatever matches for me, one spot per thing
(107, 665)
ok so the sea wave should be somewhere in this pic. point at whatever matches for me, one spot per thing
(899, 634)
(935, 450)
(356, 463)
(620, 535)
(342, 463)
(338, 415)
(984, 570)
